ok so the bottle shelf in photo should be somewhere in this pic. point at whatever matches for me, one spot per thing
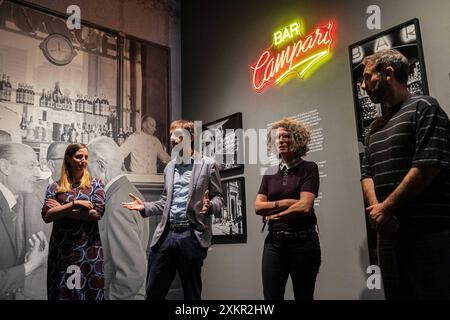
(53, 116)
(39, 127)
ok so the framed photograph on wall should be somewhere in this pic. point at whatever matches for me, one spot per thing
(405, 38)
(221, 141)
(231, 225)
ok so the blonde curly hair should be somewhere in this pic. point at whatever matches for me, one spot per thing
(300, 135)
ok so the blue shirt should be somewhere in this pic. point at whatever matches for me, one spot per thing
(180, 193)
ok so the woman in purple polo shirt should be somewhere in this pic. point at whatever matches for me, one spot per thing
(286, 200)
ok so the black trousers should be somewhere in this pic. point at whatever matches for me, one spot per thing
(298, 258)
(388, 263)
(418, 267)
(180, 251)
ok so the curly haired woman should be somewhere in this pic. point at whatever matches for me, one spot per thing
(285, 199)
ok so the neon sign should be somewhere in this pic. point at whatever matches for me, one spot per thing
(287, 33)
(291, 54)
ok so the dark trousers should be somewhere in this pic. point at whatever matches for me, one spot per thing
(299, 258)
(180, 251)
(388, 263)
(423, 259)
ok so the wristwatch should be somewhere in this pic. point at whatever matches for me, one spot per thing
(275, 205)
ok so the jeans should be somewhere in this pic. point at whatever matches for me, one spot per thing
(298, 258)
(180, 251)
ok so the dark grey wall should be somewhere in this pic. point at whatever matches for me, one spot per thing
(220, 40)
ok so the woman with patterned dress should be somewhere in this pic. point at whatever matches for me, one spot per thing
(74, 204)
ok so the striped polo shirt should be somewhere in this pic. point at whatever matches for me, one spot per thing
(418, 135)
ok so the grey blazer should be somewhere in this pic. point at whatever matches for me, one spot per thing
(205, 176)
(125, 236)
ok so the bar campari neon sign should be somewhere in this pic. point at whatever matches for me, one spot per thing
(291, 54)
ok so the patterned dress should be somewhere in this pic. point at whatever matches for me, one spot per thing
(75, 260)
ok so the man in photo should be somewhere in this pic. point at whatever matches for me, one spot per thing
(124, 235)
(19, 170)
(144, 149)
(30, 204)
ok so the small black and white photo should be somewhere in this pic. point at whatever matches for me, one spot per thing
(221, 141)
(231, 225)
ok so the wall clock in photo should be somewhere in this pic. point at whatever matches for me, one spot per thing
(58, 49)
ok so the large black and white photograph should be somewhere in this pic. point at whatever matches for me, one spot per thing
(60, 86)
(404, 38)
(231, 225)
(221, 141)
(75, 85)
(57, 84)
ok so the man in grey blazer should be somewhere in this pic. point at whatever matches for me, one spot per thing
(192, 194)
(124, 235)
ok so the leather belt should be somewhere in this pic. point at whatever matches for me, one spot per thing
(179, 227)
(281, 235)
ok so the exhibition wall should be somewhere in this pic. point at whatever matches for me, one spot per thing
(221, 40)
